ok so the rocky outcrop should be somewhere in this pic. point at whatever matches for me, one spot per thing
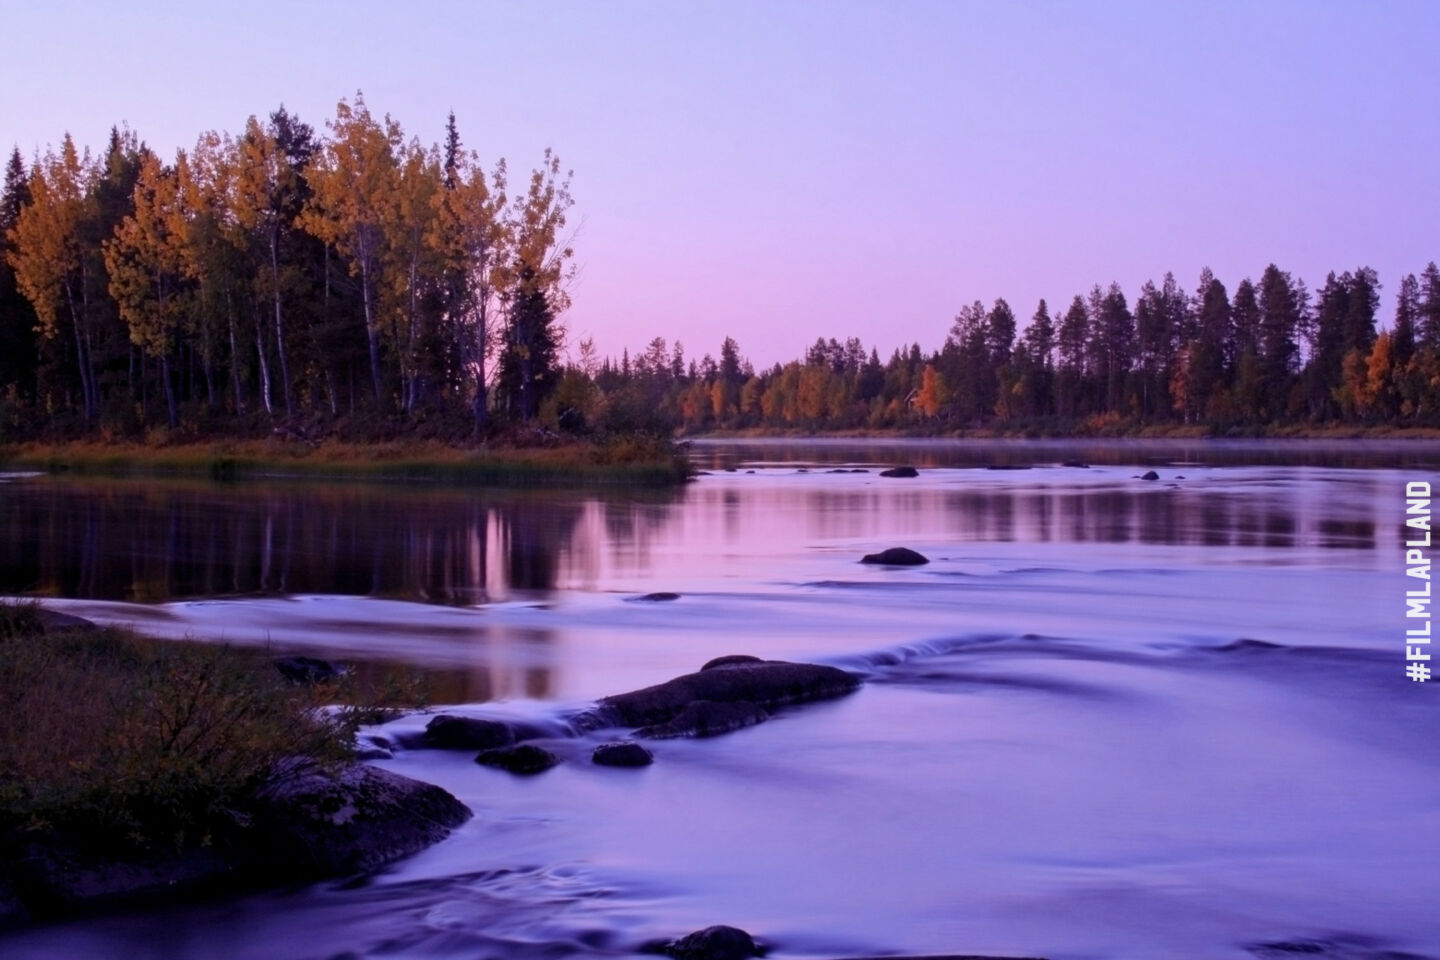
(896, 557)
(763, 684)
(525, 759)
(448, 732)
(905, 472)
(310, 824)
(706, 718)
(1149, 475)
(622, 753)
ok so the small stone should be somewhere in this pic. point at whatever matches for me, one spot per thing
(896, 557)
(730, 661)
(525, 759)
(622, 753)
(714, 943)
(900, 472)
(658, 597)
(308, 670)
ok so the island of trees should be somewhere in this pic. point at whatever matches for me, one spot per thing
(360, 284)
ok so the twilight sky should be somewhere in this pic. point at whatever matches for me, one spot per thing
(778, 171)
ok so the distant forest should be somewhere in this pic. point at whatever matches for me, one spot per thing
(360, 284)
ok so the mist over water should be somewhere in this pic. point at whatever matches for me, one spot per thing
(1111, 718)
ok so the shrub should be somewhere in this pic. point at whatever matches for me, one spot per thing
(145, 743)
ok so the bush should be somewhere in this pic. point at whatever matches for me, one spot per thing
(142, 743)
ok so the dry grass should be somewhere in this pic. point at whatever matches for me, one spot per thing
(144, 743)
(642, 461)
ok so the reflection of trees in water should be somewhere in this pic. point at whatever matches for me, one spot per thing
(155, 541)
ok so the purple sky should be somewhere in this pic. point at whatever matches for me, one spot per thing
(780, 171)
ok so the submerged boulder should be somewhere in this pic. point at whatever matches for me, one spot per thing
(706, 718)
(449, 732)
(896, 557)
(900, 472)
(766, 684)
(622, 753)
(525, 759)
(660, 596)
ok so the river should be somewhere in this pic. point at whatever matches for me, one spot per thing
(1111, 718)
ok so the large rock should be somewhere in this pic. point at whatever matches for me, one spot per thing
(706, 718)
(448, 732)
(1149, 475)
(317, 824)
(310, 824)
(900, 472)
(525, 759)
(896, 557)
(763, 683)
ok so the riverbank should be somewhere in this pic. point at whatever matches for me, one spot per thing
(141, 770)
(1080, 431)
(631, 461)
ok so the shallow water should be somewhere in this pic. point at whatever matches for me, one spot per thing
(1061, 750)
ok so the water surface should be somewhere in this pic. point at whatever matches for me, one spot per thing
(1111, 718)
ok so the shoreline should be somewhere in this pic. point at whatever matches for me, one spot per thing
(630, 462)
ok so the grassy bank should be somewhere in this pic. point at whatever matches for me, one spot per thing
(126, 744)
(639, 461)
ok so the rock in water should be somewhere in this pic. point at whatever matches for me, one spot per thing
(714, 943)
(315, 824)
(308, 670)
(622, 753)
(448, 732)
(900, 472)
(896, 557)
(705, 718)
(1149, 475)
(658, 597)
(730, 661)
(763, 683)
(525, 759)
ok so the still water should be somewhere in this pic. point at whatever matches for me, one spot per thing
(1063, 747)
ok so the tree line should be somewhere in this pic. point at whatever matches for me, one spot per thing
(278, 276)
(359, 280)
(1271, 353)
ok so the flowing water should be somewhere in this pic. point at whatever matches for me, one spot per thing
(1112, 718)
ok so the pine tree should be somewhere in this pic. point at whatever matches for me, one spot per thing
(18, 358)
